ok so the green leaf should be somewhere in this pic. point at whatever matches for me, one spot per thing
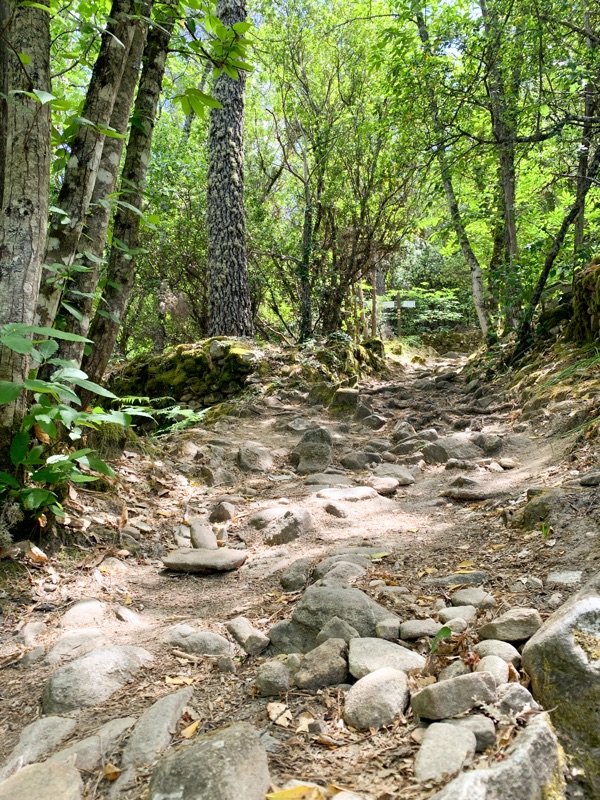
(19, 344)
(18, 447)
(9, 480)
(9, 392)
(44, 97)
(96, 464)
(56, 334)
(74, 312)
(32, 499)
(93, 387)
(242, 27)
(25, 59)
(443, 633)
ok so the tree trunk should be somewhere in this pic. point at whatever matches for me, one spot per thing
(374, 303)
(477, 286)
(80, 292)
(25, 174)
(304, 267)
(126, 229)
(229, 293)
(86, 150)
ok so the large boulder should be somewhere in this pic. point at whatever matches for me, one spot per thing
(457, 445)
(563, 660)
(314, 452)
(320, 603)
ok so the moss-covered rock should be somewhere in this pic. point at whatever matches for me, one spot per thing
(585, 325)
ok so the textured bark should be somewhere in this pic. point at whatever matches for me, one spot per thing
(79, 293)
(477, 286)
(86, 150)
(229, 293)
(26, 174)
(126, 229)
(305, 262)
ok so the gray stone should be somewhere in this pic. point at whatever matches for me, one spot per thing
(473, 597)
(468, 613)
(328, 479)
(563, 661)
(494, 647)
(344, 399)
(416, 628)
(124, 614)
(590, 479)
(200, 642)
(227, 764)
(386, 486)
(320, 603)
(368, 655)
(30, 633)
(454, 670)
(351, 494)
(253, 457)
(344, 572)
(326, 665)
(288, 636)
(458, 445)
(336, 628)
(293, 524)
(93, 678)
(564, 579)
(402, 430)
(336, 510)
(356, 460)
(444, 751)
(457, 579)
(532, 768)
(454, 696)
(457, 625)
(222, 512)
(512, 698)
(272, 678)
(84, 614)
(76, 643)
(482, 727)
(36, 740)
(515, 625)
(374, 421)
(327, 564)
(43, 782)
(296, 576)
(247, 636)
(262, 518)
(202, 535)
(90, 753)
(403, 475)
(221, 560)
(314, 452)
(388, 629)
(376, 700)
(496, 666)
(490, 443)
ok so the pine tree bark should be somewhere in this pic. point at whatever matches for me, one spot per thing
(229, 292)
(25, 183)
(477, 285)
(120, 274)
(80, 291)
(86, 151)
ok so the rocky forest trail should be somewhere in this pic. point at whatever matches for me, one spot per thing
(349, 537)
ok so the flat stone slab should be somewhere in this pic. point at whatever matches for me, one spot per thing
(515, 625)
(43, 782)
(222, 560)
(350, 495)
(90, 753)
(417, 628)
(36, 740)
(370, 654)
(454, 696)
(403, 475)
(494, 647)
(194, 640)
(564, 579)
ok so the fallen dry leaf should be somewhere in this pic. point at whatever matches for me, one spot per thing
(304, 721)
(280, 714)
(178, 680)
(188, 732)
(298, 793)
(36, 555)
(110, 772)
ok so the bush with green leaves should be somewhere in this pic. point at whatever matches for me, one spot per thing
(44, 451)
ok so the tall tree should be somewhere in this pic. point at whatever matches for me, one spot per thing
(229, 291)
(25, 174)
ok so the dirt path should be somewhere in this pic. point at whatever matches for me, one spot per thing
(415, 538)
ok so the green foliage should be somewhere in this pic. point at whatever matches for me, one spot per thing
(43, 450)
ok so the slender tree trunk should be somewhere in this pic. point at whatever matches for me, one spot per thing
(79, 293)
(477, 285)
(229, 292)
(525, 329)
(126, 229)
(374, 303)
(304, 267)
(86, 150)
(189, 120)
(25, 188)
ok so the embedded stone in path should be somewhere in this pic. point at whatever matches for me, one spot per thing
(458, 445)
(326, 665)
(473, 597)
(292, 524)
(272, 678)
(200, 642)
(376, 700)
(494, 647)
(43, 782)
(314, 452)
(468, 613)
(482, 727)
(385, 486)
(254, 457)
(515, 625)
(531, 768)
(221, 560)
(564, 579)
(444, 751)
(326, 564)
(260, 519)
(328, 479)
(247, 636)
(336, 628)
(454, 696)
(75, 643)
(93, 678)
(296, 576)
(496, 666)
(343, 572)
(202, 535)
(84, 614)
(227, 764)
(417, 628)
(351, 494)
(403, 475)
(36, 740)
(368, 655)
(90, 753)
(320, 603)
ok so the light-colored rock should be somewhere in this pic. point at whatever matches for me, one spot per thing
(320, 603)
(417, 628)
(458, 445)
(291, 525)
(564, 579)
(75, 643)
(532, 768)
(350, 495)
(31, 632)
(342, 572)
(227, 764)
(386, 486)
(454, 670)
(254, 457)
(202, 535)
(369, 655)
(482, 727)
(468, 613)
(272, 678)
(198, 560)
(260, 519)
(326, 665)
(37, 740)
(454, 696)
(93, 678)
(93, 751)
(376, 700)
(515, 625)
(512, 698)
(326, 564)
(337, 628)
(402, 474)
(494, 647)
(43, 782)
(131, 617)
(444, 751)
(496, 666)
(84, 614)
(199, 642)
(247, 636)
(388, 629)
(473, 596)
